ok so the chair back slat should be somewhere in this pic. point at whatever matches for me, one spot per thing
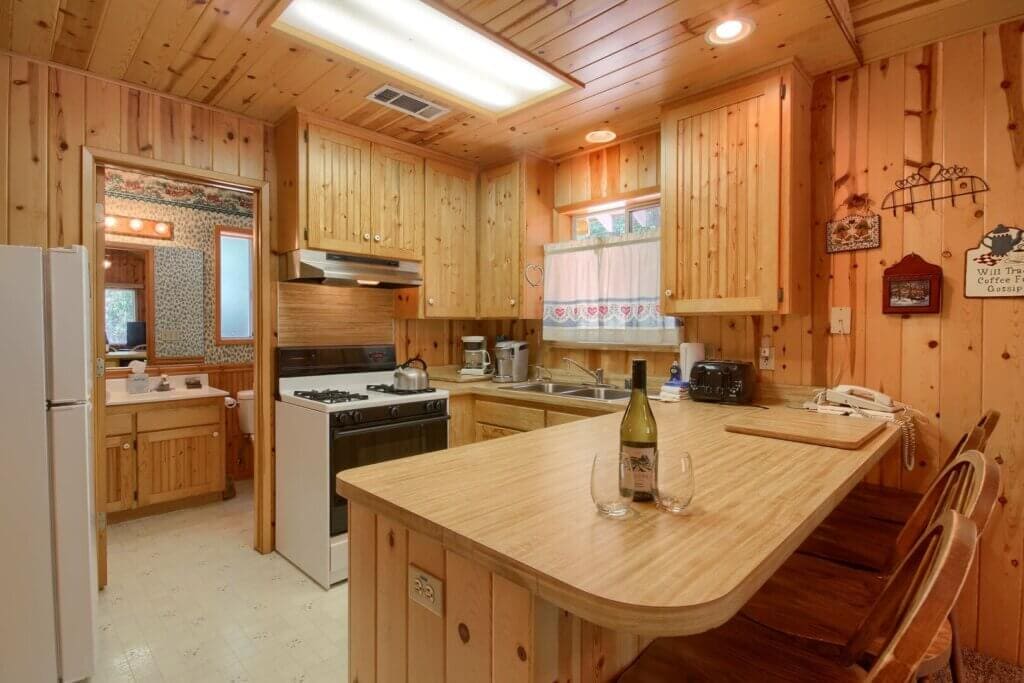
(916, 601)
(969, 485)
(976, 439)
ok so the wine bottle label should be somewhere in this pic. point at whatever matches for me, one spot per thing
(641, 461)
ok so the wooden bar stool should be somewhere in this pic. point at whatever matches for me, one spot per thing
(889, 504)
(863, 528)
(823, 602)
(909, 612)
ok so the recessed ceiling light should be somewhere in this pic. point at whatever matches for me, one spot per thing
(135, 224)
(600, 136)
(729, 31)
(109, 221)
(412, 40)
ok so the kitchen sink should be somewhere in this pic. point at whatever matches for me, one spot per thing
(571, 390)
(544, 388)
(598, 393)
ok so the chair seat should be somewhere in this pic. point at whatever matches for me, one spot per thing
(817, 600)
(886, 504)
(738, 651)
(822, 604)
(853, 540)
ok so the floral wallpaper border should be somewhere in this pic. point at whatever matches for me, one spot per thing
(147, 188)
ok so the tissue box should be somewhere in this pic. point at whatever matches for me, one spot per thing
(137, 384)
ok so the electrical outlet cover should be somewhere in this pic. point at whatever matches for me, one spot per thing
(426, 590)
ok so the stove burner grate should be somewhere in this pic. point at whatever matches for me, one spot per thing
(331, 396)
(390, 389)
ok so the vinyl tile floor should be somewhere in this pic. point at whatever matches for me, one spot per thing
(188, 599)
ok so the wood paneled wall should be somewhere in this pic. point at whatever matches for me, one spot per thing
(48, 113)
(318, 315)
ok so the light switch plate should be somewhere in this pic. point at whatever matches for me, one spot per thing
(426, 589)
(840, 320)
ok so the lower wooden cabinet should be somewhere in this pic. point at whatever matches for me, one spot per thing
(180, 463)
(486, 432)
(118, 489)
(161, 452)
(484, 419)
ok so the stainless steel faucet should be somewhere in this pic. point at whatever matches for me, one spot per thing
(597, 374)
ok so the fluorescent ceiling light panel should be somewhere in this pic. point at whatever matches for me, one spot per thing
(412, 39)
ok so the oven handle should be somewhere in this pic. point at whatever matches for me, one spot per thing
(337, 433)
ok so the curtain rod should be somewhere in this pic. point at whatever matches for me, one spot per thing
(599, 242)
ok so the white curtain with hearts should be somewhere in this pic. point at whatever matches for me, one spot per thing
(606, 289)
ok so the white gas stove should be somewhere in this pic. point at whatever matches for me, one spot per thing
(338, 410)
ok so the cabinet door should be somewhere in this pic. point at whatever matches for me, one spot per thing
(179, 463)
(397, 209)
(486, 432)
(720, 202)
(118, 478)
(449, 259)
(498, 242)
(338, 192)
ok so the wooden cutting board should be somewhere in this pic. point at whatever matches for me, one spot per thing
(834, 431)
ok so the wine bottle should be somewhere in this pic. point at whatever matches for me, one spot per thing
(638, 437)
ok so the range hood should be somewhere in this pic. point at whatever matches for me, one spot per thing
(307, 265)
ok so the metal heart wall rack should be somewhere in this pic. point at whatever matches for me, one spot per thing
(933, 183)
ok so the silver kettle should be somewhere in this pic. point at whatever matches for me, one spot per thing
(408, 378)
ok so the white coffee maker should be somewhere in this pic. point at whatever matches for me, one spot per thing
(475, 358)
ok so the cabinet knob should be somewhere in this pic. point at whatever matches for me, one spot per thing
(216, 434)
(376, 238)
(366, 236)
(511, 302)
(126, 446)
(430, 301)
(668, 292)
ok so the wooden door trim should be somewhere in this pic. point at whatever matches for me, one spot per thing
(265, 269)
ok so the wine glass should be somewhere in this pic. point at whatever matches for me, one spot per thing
(673, 483)
(611, 484)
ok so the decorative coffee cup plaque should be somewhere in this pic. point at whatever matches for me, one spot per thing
(995, 268)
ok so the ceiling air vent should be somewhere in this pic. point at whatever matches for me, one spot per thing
(407, 103)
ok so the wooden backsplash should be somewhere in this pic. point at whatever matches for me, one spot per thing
(321, 315)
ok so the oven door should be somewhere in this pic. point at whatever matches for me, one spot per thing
(368, 445)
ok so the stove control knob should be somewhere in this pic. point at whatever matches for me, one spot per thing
(357, 416)
(393, 411)
(430, 406)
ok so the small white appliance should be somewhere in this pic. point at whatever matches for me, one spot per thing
(47, 507)
(339, 409)
(689, 353)
(475, 358)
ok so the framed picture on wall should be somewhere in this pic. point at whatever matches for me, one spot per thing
(912, 286)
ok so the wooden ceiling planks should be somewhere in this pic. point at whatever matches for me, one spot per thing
(633, 55)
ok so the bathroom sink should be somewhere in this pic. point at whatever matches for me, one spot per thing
(598, 393)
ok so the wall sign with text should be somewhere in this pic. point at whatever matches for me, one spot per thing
(995, 268)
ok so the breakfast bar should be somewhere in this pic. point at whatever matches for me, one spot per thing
(489, 561)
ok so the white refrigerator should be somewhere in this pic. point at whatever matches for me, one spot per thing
(47, 507)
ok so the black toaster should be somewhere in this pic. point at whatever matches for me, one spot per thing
(722, 381)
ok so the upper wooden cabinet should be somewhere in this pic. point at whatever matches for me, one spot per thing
(340, 191)
(735, 198)
(499, 241)
(449, 259)
(397, 206)
(625, 170)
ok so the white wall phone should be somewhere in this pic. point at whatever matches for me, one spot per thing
(848, 399)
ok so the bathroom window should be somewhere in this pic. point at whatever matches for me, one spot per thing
(234, 279)
(122, 307)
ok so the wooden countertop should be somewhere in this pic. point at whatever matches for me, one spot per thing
(499, 391)
(521, 506)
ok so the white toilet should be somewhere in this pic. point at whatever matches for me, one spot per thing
(247, 413)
